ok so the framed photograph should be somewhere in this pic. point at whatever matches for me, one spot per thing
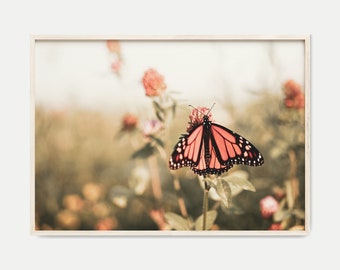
(170, 135)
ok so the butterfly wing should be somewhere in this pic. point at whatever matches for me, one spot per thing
(231, 148)
(215, 165)
(213, 149)
(187, 152)
(190, 151)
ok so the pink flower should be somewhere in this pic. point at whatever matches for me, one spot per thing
(129, 122)
(153, 83)
(106, 224)
(116, 65)
(268, 206)
(158, 217)
(196, 117)
(113, 46)
(275, 227)
(151, 127)
(294, 96)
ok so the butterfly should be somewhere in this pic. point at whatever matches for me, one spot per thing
(210, 148)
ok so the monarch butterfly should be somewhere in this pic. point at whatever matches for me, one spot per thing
(209, 148)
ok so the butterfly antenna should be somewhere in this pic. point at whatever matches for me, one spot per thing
(201, 111)
(195, 109)
(211, 108)
(192, 106)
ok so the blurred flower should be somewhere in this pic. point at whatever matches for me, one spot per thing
(268, 206)
(157, 216)
(275, 227)
(297, 228)
(73, 202)
(294, 96)
(113, 46)
(116, 61)
(279, 192)
(92, 191)
(196, 117)
(139, 179)
(129, 122)
(106, 224)
(120, 195)
(120, 201)
(151, 127)
(116, 65)
(68, 220)
(153, 83)
(101, 210)
(215, 227)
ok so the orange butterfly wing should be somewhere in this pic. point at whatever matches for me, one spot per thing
(231, 148)
(187, 151)
(213, 149)
(190, 151)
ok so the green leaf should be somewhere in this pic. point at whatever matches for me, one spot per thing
(281, 215)
(279, 149)
(157, 140)
(299, 213)
(120, 195)
(160, 112)
(139, 179)
(144, 152)
(223, 190)
(211, 217)
(173, 107)
(177, 222)
(160, 116)
(238, 181)
(157, 106)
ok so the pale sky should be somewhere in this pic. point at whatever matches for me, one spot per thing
(77, 73)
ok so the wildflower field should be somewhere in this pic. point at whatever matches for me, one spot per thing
(122, 170)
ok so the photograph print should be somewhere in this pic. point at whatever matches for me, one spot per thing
(166, 136)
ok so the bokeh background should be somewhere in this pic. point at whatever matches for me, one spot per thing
(102, 141)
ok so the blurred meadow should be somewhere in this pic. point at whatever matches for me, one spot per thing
(108, 114)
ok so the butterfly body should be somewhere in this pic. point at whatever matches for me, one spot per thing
(210, 148)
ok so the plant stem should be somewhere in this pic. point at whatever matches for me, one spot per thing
(155, 179)
(292, 175)
(180, 198)
(205, 204)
